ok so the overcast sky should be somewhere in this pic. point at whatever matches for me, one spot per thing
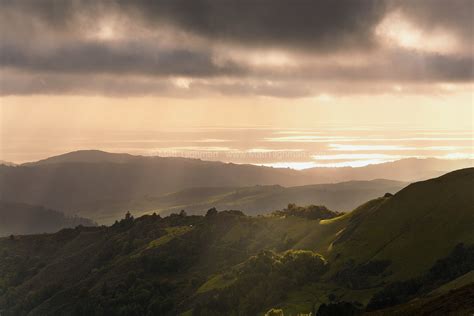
(267, 62)
(275, 48)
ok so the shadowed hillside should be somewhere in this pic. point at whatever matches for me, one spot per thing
(17, 218)
(259, 199)
(101, 185)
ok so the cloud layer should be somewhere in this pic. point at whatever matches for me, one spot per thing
(278, 48)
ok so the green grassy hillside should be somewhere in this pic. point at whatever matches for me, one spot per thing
(416, 244)
(420, 223)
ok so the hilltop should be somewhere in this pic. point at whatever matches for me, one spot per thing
(86, 156)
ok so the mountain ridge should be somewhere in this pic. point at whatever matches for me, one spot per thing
(91, 183)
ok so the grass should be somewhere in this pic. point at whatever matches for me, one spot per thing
(421, 223)
(172, 232)
(216, 282)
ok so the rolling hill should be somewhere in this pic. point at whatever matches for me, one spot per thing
(21, 219)
(101, 185)
(256, 200)
(418, 243)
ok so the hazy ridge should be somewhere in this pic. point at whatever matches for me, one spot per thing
(100, 185)
(19, 218)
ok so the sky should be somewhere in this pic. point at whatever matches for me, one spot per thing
(203, 77)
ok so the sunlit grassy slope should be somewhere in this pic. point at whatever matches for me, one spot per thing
(413, 228)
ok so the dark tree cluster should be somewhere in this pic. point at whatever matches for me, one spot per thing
(309, 212)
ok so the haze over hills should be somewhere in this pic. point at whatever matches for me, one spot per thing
(254, 200)
(386, 252)
(408, 169)
(22, 219)
(101, 185)
(6, 163)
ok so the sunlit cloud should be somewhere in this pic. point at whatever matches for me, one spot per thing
(268, 150)
(193, 148)
(431, 139)
(344, 147)
(359, 157)
(213, 140)
(324, 97)
(444, 148)
(455, 156)
(183, 83)
(446, 133)
(105, 30)
(255, 58)
(298, 132)
(396, 29)
(309, 139)
(348, 147)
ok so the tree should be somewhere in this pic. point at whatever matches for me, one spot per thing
(211, 212)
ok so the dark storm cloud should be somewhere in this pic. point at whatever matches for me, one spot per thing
(60, 14)
(47, 47)
(399, 65)
(95, 57)
(319, 25)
